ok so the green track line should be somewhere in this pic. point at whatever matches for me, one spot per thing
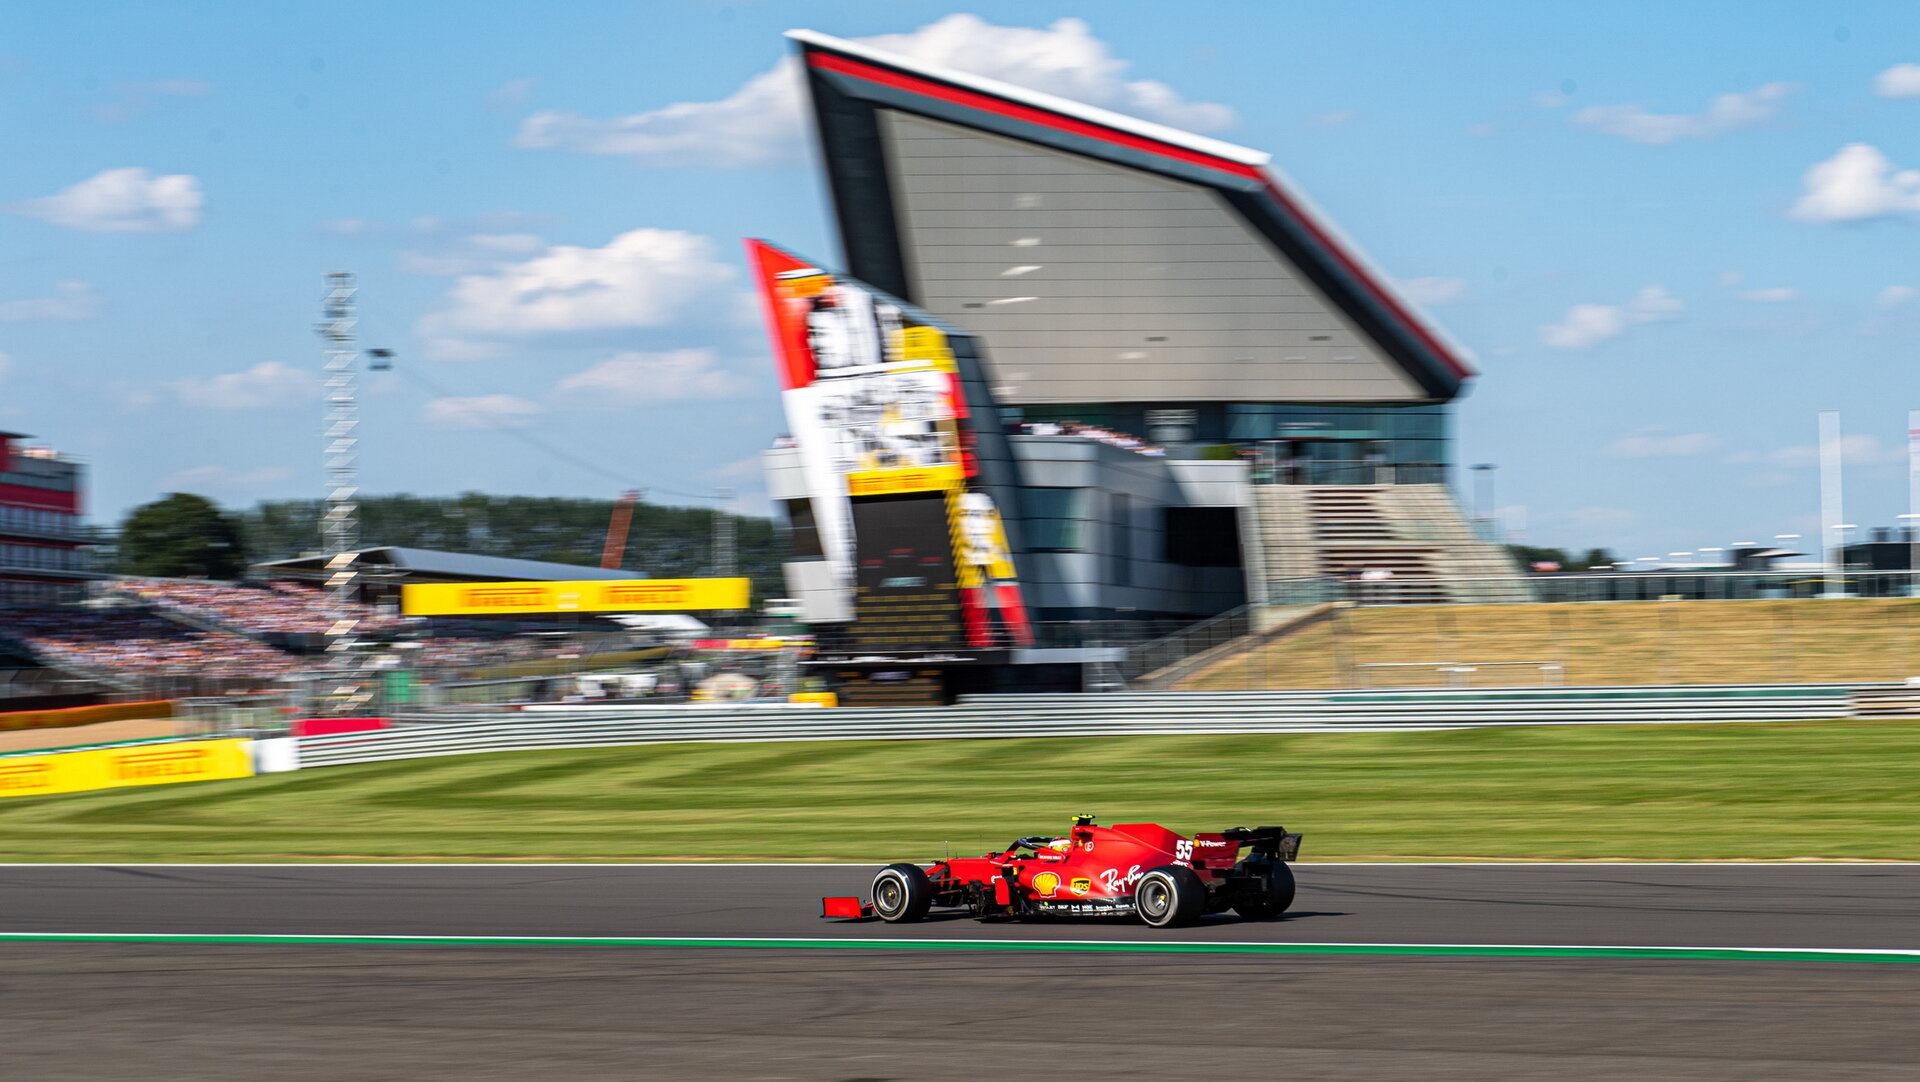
(1452, 950)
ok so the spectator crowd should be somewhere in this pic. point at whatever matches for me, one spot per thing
(138, 645)
(1091, 432)
(273, 608)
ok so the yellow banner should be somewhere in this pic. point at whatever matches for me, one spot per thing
(593, 595)
(918, 479)
(109, 768)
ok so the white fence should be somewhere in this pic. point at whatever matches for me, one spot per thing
(1137, 714)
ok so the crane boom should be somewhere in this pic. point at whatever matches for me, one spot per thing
(615, 551)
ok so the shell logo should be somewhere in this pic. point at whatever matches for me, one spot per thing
(1045, 884)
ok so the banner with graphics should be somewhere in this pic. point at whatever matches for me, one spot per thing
(591, 595)
(109, 768)
(884, 429)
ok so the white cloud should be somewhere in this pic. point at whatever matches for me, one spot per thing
(129, 200)
(347, 227)
(1731, 278)
(1858, 450)
(1659, 443)
(1549, 99)
(511, 93)
(470, 254)
(75, 301)
(639, 379)
(1334, 119)
(1588, 325)
(1857, 183)
(1725, 113)
(218, 478)
(138, 98)
(1771, 295)
(1895, 296)
(1898, 81)
(1433, 290)
(269, 383)
(481, 411)
(641, 278)
(761, 121)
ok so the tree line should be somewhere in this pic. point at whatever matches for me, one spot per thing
(184, 535)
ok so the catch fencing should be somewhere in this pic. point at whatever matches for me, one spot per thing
(1124, 714)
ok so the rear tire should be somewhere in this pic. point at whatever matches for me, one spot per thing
(1276, 894)
(1169, 896)
(901, 892)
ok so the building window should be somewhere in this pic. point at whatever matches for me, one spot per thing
(1055, 519)
(1120, 510)
(803, 531)
(1203, 536)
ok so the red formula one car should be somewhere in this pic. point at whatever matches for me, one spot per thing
(1133, 869)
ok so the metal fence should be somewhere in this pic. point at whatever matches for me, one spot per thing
(1580, 586)
(1009, 716)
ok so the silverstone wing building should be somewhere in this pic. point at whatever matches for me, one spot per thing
(1208, 393)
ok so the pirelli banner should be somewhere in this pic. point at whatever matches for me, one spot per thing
(111, 768)
(593, 595)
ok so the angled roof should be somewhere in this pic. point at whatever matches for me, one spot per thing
(1268, 279)
(429, 564)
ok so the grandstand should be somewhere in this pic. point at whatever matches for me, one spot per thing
(42, 532)
(1584, 643)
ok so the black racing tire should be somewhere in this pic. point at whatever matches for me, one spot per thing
(1169, 896)
(901, 892)
(1276, 895)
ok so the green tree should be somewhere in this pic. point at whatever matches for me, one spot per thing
(1598, 560)
(179, 536)
(1528, 555)
(665, 542)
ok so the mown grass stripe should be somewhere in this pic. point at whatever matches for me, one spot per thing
(1484, 950)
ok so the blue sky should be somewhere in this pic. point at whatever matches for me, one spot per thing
(1670, 233)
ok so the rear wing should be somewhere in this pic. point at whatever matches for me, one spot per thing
(1272, 842)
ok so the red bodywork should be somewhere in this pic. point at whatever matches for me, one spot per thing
(1092, 871)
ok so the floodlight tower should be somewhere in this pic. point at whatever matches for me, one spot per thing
(340, 526)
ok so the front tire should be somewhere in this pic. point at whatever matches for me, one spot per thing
(1169, 896)
(901, 892)
(1276, 894)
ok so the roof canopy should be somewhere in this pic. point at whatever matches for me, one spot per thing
(1101, 257)
(427, 565)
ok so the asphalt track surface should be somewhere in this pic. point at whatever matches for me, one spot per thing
(241, 1011)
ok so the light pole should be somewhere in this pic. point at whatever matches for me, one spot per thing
(1483, 494)
(1912, 530)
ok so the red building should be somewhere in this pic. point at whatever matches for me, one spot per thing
(41, 530)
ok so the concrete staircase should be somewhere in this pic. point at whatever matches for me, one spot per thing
(1307, 532)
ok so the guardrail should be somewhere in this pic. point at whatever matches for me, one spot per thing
(1121, 714)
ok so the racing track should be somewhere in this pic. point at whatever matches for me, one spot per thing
(234, 1011)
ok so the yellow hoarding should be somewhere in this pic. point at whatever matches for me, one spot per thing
(593, 595)
(108, 768)
(919, 479)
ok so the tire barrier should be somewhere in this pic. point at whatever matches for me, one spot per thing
(1126, 714)
(84, 715)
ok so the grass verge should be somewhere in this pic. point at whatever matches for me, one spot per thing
(1829, 789)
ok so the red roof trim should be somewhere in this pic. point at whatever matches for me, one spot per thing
(1016, 111)
(1418, 327)
(1074, 126)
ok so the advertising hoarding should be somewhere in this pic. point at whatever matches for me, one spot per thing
(592, 595)
(879, 413)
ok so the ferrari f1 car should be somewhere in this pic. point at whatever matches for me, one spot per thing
(1134, 869)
